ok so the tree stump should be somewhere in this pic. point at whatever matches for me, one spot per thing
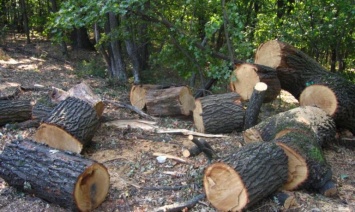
(69, 126)
(81, 91)
(59, 177)
(294, 68)
(138, 93)
(307, 167)
(14, 111)
(221, 113)
(304, 118)
(335, 95)
(252, 173)
(245, 76)
(171, 101)
(253, 109)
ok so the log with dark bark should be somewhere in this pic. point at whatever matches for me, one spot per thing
(285, 199)
(253, 109)
(301, 118)
(81, 91)
(252, 173)
(201, 145)
(335, 95)
(245, 76)
(294, 68)
(307, 166)
(59, 177)
(69, 126)
(14, 111)
(220, 113)
(138, 93)
(171, 101)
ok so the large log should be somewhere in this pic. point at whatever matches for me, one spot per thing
(220, 113)
(307, 167)
(301, 118)
(59, 177)
(138, 93)
(245, 76)
(335, 95)
(253, 109)
(69, 126)
(171, 101)
(294, 68)
(252, 173)
(14, 111)
(81, 91)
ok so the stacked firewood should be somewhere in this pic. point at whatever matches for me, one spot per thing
(50, 166)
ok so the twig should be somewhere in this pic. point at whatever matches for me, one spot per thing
(189, 132)
(171, 157)
(130, 107)
(181, 205)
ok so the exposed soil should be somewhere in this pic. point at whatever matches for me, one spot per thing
(138, 181)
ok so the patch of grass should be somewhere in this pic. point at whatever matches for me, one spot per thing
(91, 68)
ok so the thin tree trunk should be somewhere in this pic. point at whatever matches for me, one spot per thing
(25, 20)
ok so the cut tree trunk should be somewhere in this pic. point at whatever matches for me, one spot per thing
(336, 96)
(253, 109)
(138, 93)
(307, 167)
(294, 68)
(172, 101)
(9, 90)
(245, 76)
(59, 177)
(201, 145)
(40, 112)
(301, 118)
(15, 111)
(70, 125)
(252, 173)
(81, 91)
(221, 113)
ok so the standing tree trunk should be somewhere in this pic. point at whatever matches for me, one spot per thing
(25, 20)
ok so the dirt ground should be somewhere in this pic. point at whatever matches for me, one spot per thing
(137, 181)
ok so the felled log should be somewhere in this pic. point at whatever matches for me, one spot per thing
(294, 68)
(138, 93)
(220, 113)
(200, 146)
(59, 177)
(245, 76)
(335, 95)
(9, 90)
(81, 91)
(301, 118)
(171, 101)
(14, 111)
(307, 167)
(285, 199)
(252, 173)
(69, 126)
(253, 109)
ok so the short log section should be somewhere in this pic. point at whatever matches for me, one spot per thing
(252, 173)
(245, 76)
(220, 113)
(81, 91)
(138, 93)
(70, 125)
(14, 111)
(171, 101)
(59, 177)
(254, 105)
(336, 96)
(301, 119)
(294, 68)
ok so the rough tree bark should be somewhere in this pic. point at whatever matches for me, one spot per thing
(63, 178)
(245, 76)
(253, 109)
(222, 113)
(15, 111)
(252, 173)
(70, 125)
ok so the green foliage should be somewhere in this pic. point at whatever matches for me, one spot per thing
(91, 68)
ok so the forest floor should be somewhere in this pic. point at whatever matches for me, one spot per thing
(137, 181)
